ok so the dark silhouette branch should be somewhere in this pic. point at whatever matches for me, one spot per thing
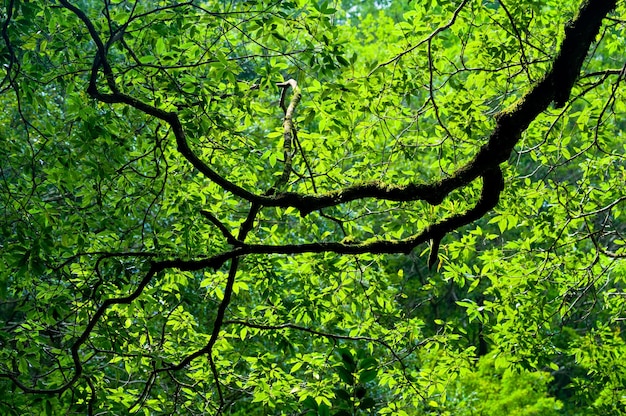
(213, 219)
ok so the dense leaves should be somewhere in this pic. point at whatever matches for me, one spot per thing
(293, 207)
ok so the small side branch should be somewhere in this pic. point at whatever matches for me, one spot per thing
(289, 130)
(229, 237)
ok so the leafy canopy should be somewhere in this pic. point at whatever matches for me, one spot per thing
(294, 207)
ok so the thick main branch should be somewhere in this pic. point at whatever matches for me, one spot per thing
(555, 87)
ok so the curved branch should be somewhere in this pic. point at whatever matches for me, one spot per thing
(493, 184)
(225, 232)
(117, 97)
(74, 349)
(555, 86)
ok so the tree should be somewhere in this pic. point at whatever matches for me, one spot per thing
(280, 207)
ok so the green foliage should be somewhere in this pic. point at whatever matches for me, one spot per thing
(229, 207)
(493, 390)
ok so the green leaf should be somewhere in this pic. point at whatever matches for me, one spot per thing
(367, 375)
(345, 375)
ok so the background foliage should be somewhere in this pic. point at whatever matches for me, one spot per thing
(183, 232)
